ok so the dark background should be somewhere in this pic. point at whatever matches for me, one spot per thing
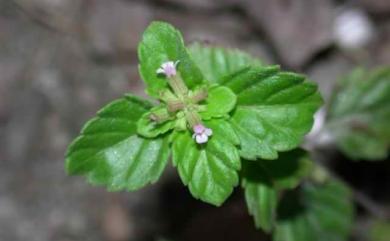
(61, 60)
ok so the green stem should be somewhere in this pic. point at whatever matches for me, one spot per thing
(178, 86)
(160, 116)
(199, 96)
(174, 106)
(192, 118)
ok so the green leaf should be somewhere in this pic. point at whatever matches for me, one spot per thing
(209, 170)
(379, 231)
(289, 169)
(161, 42)
(321, 212)
(220, 101)
(359, 114)
(261, 200)
(284, 173)
(262, 179)
(361, 145)
(110, 153)
(216, 63)
(148, 128)
(274, 110)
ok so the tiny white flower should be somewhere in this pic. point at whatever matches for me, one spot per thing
(168, 68)
(201, 133)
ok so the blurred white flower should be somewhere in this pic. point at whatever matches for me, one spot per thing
(352, 29)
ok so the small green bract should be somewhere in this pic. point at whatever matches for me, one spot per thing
(218, 110)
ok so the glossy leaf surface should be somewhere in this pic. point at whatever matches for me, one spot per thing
(110, 153)
(209, 170)
(274, 110)
(217, 63)
(161, 42)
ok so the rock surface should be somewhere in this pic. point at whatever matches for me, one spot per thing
(298, 29)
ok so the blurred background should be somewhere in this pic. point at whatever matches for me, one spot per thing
(61, 60)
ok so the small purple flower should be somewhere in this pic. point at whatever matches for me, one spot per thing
(201, 133)
(168, 68)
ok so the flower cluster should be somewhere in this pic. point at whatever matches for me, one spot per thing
(201, 133)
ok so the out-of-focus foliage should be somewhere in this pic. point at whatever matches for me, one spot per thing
(380, 231)
(262, 179)
(359, 114)
(321, 212)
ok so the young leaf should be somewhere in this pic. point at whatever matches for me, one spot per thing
(151, 128)
(210, 169)
(161, 42)
(263, 178)
(359, 114)
(110, 153)
(217, 63)
(274, 110)
(220, 101)
(321, 212)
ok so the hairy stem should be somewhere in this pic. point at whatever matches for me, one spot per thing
(178, 86)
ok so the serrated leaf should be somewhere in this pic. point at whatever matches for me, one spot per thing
(321, 212)
(274, 110)
(220, 101)
(359, 114)
(217, 63)
(261, 200)
(262, 179)
(209, 170)
(161, 42)
(109, 151)
(146, 127)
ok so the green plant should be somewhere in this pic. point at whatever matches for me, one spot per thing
(224, 118)
(359, 114)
